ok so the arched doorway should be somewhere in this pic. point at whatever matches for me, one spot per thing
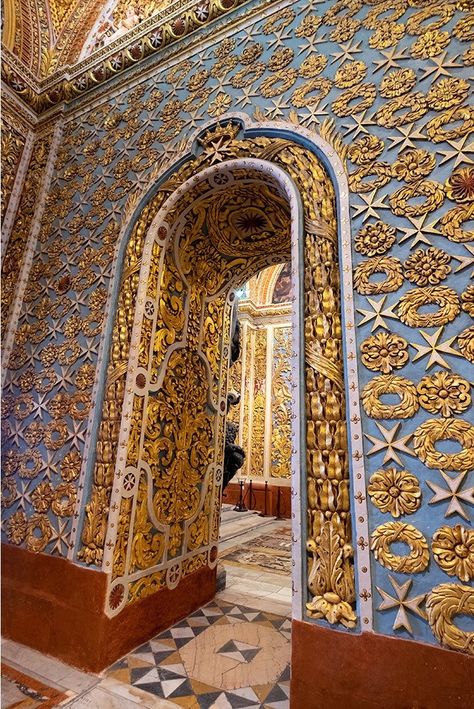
(214, 221)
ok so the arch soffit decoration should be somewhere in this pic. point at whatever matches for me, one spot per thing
(262, 287)
(331, 161)
(258, 171)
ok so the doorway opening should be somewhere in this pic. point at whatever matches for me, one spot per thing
(255, 530)
(222, 217)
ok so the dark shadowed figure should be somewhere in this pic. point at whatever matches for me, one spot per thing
(234, 455)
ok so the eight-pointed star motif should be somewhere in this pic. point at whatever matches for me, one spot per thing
(390, 443)
(310, 44)
(348, 49)
(420, 231)
(378, 313)
(452, 493)
(218, 150)
(60, 536)
(359, 124)
(465, 261)
(408, 133)
(370, 206)
(435, 349)
(392, 57)
(441, 67)
(403, 603)
(460, 152)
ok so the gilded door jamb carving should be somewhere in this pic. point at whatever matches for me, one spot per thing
(334, 164)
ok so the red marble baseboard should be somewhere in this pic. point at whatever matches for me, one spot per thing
(335, 670)
(277, 503)
(56, 607)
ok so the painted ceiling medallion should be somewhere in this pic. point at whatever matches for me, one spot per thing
(238, 222)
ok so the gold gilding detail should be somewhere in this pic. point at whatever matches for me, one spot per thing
(395, 491)
(443, 603)
(390, 384)
(389, 533)
(281, 404)
(430, 432)
(178, 456)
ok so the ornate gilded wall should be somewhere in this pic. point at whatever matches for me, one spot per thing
(394, 80)
(13, 143)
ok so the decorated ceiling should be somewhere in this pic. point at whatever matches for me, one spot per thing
(46, 35)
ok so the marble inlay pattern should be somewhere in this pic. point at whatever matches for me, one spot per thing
(221, 656)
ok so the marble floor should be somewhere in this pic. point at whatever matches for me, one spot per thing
(261, 589)
(232, 653)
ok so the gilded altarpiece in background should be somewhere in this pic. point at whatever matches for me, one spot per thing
(262, 376)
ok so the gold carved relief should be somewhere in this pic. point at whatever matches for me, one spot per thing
(179, 436)
(97, 509)
(16, 245)
(13, 143)
(148, 545)
(257, 425)
(443, 604)
(386, 534)
(281, 404)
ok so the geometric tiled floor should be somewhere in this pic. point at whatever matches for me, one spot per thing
(222, 656)
(234, 652)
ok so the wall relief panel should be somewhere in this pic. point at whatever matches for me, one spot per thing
(388, 90)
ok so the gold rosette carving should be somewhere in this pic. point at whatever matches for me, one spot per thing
(398, 82)
(375, 239)
(17, 526)
(460, 185)
(413, 164)
(395, 491)
(427, 268)
(429, 44)
(444, 393)
(384, 352)
(42, 496)
(453, 551)
(365, 150)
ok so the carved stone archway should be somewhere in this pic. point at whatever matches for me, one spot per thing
(161, 528)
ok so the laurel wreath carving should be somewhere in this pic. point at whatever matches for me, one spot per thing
(446, 298)
(442, 604)
(386, 534)
(389, 265)
(433, 430)
(390, 384)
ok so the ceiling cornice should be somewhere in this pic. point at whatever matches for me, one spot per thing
(147, 39)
